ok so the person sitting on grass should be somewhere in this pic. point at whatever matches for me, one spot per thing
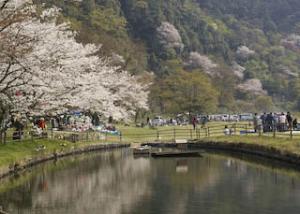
(295, 124)
(227, 131)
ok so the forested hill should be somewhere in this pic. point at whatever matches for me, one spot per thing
(270, 15)
(207, 55)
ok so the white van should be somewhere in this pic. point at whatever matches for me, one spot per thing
(158, 121)
(246, 117)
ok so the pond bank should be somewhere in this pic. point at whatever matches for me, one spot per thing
(25, 164)
(256, 149)
(252, 149)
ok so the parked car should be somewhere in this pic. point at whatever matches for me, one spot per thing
(246, 117)
(234, 117)
(225, 117)
(158, 121)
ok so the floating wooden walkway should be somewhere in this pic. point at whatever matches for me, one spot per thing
(175, 154)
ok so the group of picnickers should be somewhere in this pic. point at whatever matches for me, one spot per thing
(274, 122)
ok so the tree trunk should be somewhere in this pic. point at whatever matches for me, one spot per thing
(2, 137)
(136, 116)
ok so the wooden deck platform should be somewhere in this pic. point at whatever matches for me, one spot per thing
(175, 154)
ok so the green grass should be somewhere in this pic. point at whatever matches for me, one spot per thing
(132, 134)
(283, 144)
(19, 151)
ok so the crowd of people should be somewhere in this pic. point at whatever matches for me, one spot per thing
(77, 122)
(274, 122)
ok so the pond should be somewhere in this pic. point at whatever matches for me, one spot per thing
(116, 183)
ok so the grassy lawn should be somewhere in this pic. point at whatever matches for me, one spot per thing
(19, 151)
(284, 144)
(166, 133)
(132, 134)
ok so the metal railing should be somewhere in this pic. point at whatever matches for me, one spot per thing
(88, 136)
(156, 134)
(236, 129)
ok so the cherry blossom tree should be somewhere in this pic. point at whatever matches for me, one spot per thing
(169, 36)
(244, 52)
(238, 70)
(253, 86)
(12, 47)
(196, 60)
(43, 69)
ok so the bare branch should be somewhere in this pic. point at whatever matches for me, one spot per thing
(3, 5)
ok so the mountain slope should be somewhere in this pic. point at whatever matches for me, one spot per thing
(249, 49)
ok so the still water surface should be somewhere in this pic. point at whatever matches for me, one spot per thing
(116, 183)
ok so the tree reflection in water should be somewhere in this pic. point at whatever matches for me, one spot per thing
(115, 183)
(107, 183)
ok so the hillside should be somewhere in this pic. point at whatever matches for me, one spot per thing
(207, 55)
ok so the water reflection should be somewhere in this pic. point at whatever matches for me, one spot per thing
(182, 166)
(109, 183)
(115, 183)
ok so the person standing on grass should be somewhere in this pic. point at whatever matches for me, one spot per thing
(263, 120)
(148, 120)
(42, 124)
(255, 122)
(194, 122)
(282, 122)
(289, 120)
(204, 121)
(270, 122)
